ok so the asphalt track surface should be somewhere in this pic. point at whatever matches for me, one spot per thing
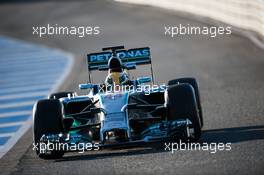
(229, 70)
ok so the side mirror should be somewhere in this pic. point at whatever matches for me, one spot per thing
(86, 86)
(143, 80)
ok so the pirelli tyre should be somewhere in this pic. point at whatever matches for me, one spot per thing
(181, 104)
(195, 86)
(59, 95)
(47, 116)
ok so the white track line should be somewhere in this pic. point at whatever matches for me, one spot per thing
(12, 141)
(37, 77)
(2, 125)
(6, 134)
(28, 61)
(35, 70)
(28, 94)
(13, 114)
(26, 84)
(6, 43)
(17, 104)
(28, 88)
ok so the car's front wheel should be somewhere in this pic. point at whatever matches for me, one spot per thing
(194, 84)
(47, 115)
(181, 104)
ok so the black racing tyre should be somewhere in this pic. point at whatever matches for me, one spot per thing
(195, 86)
(59, 95)
(181, 102)
(47, 115)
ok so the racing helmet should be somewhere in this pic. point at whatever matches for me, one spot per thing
(115, 65)
(116, 75)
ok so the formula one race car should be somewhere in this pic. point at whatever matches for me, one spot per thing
(136, 114)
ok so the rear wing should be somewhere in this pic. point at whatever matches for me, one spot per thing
(99, 61)
(130, 58)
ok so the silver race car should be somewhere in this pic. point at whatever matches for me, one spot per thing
(136, 113)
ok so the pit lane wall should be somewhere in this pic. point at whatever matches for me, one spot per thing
(245, 14)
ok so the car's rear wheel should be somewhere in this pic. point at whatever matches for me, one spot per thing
(47, 116)
(181, 104)
(195, 86)
(59, 95)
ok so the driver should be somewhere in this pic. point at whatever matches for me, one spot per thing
(116, 74)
